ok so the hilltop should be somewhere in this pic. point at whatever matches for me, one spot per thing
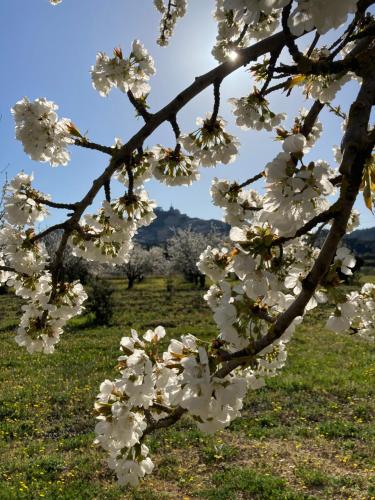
(168, 221)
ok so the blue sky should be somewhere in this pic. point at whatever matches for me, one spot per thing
(47, 51)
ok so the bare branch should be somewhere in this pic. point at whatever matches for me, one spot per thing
(107, 190)
(83, 143)
(311, 118)
(251, 180)
(52, 204)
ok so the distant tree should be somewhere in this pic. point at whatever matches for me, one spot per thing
(144, 262)
(160, 264)
(184, 250)
(138, 266)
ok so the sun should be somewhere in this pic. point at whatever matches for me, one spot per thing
(232, 54)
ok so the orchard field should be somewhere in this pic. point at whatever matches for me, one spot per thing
(309, 434)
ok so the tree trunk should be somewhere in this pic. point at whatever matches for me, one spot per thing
(202, 281)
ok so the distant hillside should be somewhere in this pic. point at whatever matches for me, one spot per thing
(361, 241)
(166, 222)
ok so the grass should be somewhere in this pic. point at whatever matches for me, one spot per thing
(309, 434)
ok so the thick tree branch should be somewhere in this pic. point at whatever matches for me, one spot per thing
(311, 118)
(357, 125)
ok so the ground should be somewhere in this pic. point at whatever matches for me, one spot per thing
(309, 434)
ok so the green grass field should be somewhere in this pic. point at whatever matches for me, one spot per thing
(308, 434)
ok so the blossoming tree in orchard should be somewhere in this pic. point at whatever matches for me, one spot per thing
(279, 274)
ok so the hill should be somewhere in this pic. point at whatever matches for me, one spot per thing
(167, 221)
(361, 241)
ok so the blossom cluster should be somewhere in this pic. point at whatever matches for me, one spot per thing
(153, 385)
(141, 166)
(174, 168)
(234, 30)
(106, 237)
(320, 14)
(253, 112)
(21, 202)
(131, 74)
(295, 194)
(44, 137)
(170, 15)
(356, 313)
(210, 144)
(240, 21)
(238, 204)
(47, 306)
(171, 166)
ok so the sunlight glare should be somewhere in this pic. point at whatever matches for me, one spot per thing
(232, 54)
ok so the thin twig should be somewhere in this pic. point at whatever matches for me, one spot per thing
(52, 204)
(251, 180)
(83, 143)
(313, 44)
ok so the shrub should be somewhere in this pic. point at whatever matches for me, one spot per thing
(100, 301)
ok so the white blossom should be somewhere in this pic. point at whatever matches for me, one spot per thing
(130, 74)
(345, 259)
(44, 137)
(210, 144)
(170, 16)
(320, 14)
(252, 112)
(174, 168)
(21, 202)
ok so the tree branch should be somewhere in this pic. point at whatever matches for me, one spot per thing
(52, 204)
(349, 191)
(215, 111)
(139, 106)
(49, 230)
(83, 143)
(289, 38)
(325, 216)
